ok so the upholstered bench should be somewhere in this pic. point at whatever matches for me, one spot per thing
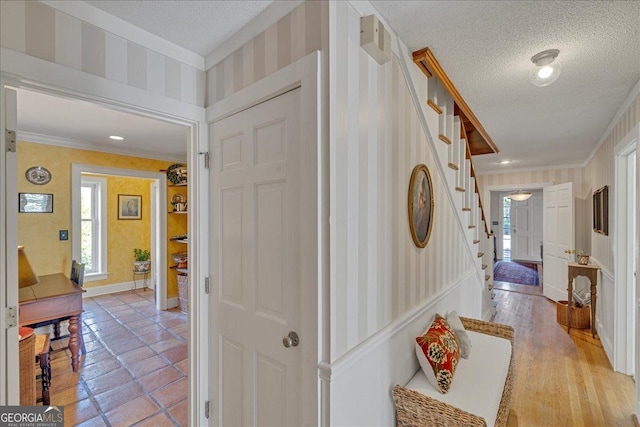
(480, 394)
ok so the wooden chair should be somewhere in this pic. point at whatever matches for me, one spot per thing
(42, 358)
(76, 276)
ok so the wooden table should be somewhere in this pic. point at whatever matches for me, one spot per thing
(54, 297)
(590, 271)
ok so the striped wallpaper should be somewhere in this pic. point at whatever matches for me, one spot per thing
(600, 171)
(38, 30)
(377, 273)
(555, 176)
(291, 38)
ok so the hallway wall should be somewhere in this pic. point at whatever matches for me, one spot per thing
(43, 32)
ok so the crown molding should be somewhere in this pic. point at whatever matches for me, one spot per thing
(122, 28)
(82, 145)
(633, 94)
(264, 20)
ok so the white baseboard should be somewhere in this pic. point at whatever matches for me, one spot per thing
(110, 289)
(172, 302)
(605, 315)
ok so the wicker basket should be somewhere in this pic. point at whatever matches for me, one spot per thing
(580, 316)
(27, 368)
(183, 295)
(583, 259)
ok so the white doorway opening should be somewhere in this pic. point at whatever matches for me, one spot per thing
(157, 224)
(626, 252)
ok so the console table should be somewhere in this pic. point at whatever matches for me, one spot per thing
(54, 297)
(590, 271)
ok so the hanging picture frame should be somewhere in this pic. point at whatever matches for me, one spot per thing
(129, 206)
(601, 210)
(420, 205)
(35, 203)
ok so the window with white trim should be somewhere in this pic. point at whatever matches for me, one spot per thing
(93, 226)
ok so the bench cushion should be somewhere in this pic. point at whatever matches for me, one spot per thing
(479, 381)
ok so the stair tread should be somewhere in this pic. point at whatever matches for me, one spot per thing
(480, 254)
(433, 105)
(476, 241)
(453, 166)
(466, 209)
(460, 189)
(484, 266)
(444, 139)
(487, 277)
(472, 226)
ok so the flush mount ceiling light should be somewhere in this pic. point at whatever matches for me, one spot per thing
(520, 195)
(504, 162)
(547, 67)
(116, 137)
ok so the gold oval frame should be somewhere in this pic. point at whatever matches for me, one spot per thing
(412, 194)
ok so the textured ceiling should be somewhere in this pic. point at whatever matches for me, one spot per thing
(485, 47)
(199, 26)
(91, 125)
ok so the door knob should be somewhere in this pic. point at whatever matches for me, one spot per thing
(291, 340)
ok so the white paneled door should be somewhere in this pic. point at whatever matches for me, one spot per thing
(559, 236)
(526, 228)
(257, 224)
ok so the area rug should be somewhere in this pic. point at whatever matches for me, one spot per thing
(523, 273)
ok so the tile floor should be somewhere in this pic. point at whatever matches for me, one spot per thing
(135, 370)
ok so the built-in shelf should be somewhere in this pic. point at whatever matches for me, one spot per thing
(180, 240)
(178, 212)
(180, 270)
(184, 184)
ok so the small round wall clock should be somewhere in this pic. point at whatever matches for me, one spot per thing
(38, 175)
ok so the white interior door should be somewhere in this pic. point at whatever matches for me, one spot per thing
(558, 235)
(526, 228)
(632, 254)
(9, 393)
(257, 205)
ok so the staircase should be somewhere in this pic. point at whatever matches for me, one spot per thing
(457, 136)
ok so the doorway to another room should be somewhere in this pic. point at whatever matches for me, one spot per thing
(518, 263)
(134, 365)
(626, 247)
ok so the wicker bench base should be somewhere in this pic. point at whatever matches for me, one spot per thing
(414, 409)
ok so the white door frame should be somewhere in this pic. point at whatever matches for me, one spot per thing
(506, 189)
(9, 361)
(304, 73)
(623, 328)
(57, 80)
(159, 217)
(637, 319)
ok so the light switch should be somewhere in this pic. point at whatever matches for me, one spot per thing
(64, 234)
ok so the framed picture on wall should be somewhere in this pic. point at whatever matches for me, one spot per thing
(420, 205)
(601, 210)
(35, 203)
(129, 206)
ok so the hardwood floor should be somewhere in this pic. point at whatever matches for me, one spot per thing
(561, 379)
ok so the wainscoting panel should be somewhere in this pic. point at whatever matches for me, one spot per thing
(361, 380)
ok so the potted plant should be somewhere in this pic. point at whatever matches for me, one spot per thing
(141, 261)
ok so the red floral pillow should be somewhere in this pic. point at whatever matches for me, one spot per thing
(438, 352)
